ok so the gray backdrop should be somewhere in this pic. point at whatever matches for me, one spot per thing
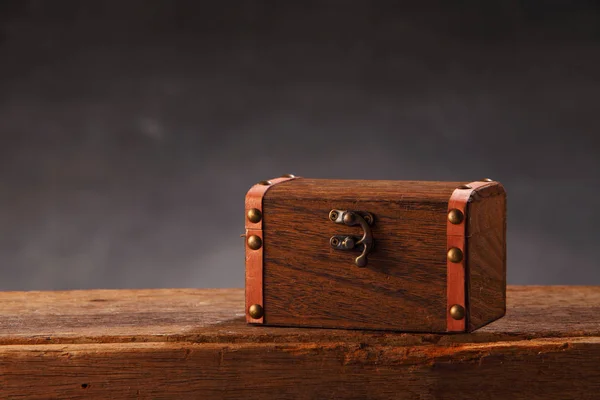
(131, 130)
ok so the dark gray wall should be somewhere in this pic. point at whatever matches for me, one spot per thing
(130, 131)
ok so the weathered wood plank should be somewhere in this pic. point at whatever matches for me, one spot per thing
(183, 343)
(217, 315)
(542, 368)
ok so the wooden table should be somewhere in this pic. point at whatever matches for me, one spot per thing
(194, 344)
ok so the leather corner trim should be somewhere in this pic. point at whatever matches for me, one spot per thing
(456, 234)
(254, 257)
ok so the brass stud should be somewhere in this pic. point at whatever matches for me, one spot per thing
(254, 215)
(349, 218)
(265, 183)
(487, 180)
(348, 243)
(288, 176)
(457, 311)
(455, 255)
(465, 187)
(255, 311)
(455, 216)
(254, 242)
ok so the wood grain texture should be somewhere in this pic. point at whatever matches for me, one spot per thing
(190, 344)
(486, 256)
(403, 287)
(217, 316)
(373, 190)
(308, 283)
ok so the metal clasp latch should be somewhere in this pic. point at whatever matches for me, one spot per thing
(345, 242)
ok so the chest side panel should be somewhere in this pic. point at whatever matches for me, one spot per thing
(486, 256)
(308, 283)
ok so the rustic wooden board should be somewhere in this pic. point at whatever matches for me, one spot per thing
(191, 344)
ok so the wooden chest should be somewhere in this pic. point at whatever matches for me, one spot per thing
(362, 254)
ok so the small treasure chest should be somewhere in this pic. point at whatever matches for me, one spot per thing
(408, 256)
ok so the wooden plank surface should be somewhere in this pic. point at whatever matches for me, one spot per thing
(184, 343)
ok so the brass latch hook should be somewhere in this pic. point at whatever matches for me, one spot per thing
(343, 242)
